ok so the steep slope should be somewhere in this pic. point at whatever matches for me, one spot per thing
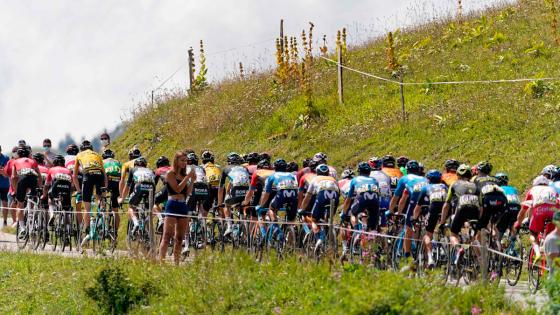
(514, 125)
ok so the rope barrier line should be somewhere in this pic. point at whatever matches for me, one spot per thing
(442, 82)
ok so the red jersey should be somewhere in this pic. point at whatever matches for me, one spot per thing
(25, 166)
(259, 178)
(252, 169)
(161, 172)
(58, 173)
(305, 181)
(44, 172)
(8, 169)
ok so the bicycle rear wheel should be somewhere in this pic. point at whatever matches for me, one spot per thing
(57, 230)
(22, 238)
(34, 231)
(534, 273)
(513, 266)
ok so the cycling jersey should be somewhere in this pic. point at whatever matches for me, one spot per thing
(464, 197)
(384, 182)
(258, 181)
(325, 190)
(449, 178)
(141, 180)
(200, 187)
(161, 173)
(112, 169)
(365, 192)
(281, 181)
(8, 169)
(251, 168)
(395, 174)
(213, 174)
(125, 168)
(58, 173)
(512, 209)
(69, 161)
(306, 170)
(285, 186)
(413, 184)
(235, 179)
(305, 181)
(344, 186)
(433, 196)
(44, 172)
(60, 181)
(90, 162)
(27, 171)
(25, 166)
(556, 186)
(544, 203)
(403, 170)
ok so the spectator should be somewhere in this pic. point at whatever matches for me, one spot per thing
(49, 155)
(552, 245)
(105, 141)
(4, 187)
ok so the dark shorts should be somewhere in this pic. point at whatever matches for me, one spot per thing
(200, 196)
(113, 188)
(91, 181)
(175, 208)
(141, 193)
(367, 203)
(322, 203)
(493, 206)
(4, 194)
(409, 212)
(463, 215)
(161, 196)
(26, 183)
(62, 190)
(285, 199)
(236, 195)
(508, 218)
(434, 213)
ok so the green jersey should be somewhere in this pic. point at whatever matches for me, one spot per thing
(403, 170)
(112, 168)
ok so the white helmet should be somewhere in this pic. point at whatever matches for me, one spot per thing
(541, 180)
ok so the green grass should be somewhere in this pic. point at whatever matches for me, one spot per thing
(235, 283)
(505, 123)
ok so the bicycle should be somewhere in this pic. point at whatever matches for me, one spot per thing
(319, 244)
(31, 219)
(537, 269)
(514, 265)
(215, 229)
(467, 266)
(62, 227)
(139, 241)
(440, 250)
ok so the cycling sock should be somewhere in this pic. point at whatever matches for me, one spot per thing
(20, 222)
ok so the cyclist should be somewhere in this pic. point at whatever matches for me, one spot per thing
(384, 182)
(25, 179)
(113, 170)
(493, 199)
(541, 201)
(234, 185)
(324, 189)
(303, 185)
(40, 159)
(413, 184)
(463, 196)
(253, 159)
(388, 167)
(256, 188)
(91, 164)
(512, 208)
(549, 171)
(363, 197)
(213, 176)
(401, 163)
(200, 190)
(556, 181)
(344, 182)
(69, 160)
(4, 186)
(133, 154)
(284, 185)
(433, 196)
(293, 168)
(450, 174)
(58, 185)
(140, 181)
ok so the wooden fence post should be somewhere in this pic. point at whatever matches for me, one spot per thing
(339, 75)
(191, 66)
(282, 36)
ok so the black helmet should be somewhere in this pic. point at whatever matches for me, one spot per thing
(162, 161)
(244, 158)
(320, 157)
(375, 163)
(313, 165)
(206, 156)
(72, 149)
(234, 158)
(413, 167)
(389, 161)
(292, 167)
(140, 162)
(86, 145)
(402, 160)
(322, 169)
(347, 174)
(108, 154)
(134, 153)
(58, 160)
(39, 157)
(464, 170)
(503, 179)
(484, 167)
(253, 157)
(434, 176)
(280, 165)
(364, 168)
(265, 156)
(263, 164)
(192, 158)
(305, 162)
(451, 164)
(23, 151)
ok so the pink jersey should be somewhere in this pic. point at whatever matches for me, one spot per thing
(59, 173)
(25, 166)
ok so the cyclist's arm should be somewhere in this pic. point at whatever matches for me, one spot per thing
(39, 178)
(75, 176)
(349, 198)
(305, 201)
(106, 181)
(14, 178)
(403, 201)
(396, 195)
(444, 212)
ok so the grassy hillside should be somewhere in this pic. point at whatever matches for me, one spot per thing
(229, 284)
(513, 125)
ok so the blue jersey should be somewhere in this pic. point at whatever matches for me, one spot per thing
(513, 196)
(432, 194)
(363, 184)
(4, 181)
(413, 185)
(555, 185)
(280, 181)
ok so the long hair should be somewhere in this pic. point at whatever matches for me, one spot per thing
(175, 165)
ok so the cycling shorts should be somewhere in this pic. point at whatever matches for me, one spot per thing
(285, 198)
(62, 189)
(4, 194)
(26, 183)
(236, 195)
(212, 198)
(91, 181)
(141, 192)
(113, 188)
(508, 217)
(161, 196)
(539, 216)
(462, 215)
(493, 206)
(434, 213)
(322, 202)
(364, 203)
(384, 202)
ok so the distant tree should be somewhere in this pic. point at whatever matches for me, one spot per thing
(65, 142)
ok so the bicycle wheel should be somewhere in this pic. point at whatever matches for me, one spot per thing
(422, 259)
(534, 273)
(290, 239)
(35, 230)
(397, 253)
(57, 230)
(110, 234)
(470, 269)
(44, 229)
(514, 266)
(495, 263)
(22, 237)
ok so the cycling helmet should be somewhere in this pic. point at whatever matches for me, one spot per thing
(320, 157)
(293, 166)
(107, 153)
(364, 168)
(39, 158)
(253, 157)
(192, 158)
(58, 160)
(322, 169)
(263, 164)
(280, 165)
(72, 149)
(375, 163)
(86, 145)
(265, 156)
(503, 179)
(134, 153)
(140, 162)
(206, 156)
(434, 176)
(162, 161)
(412, 167)
(549, 171)
(347, 173)
(313, 165)
(244, 158)
(484, 167)
(402, 160)
(541, 180)
(389, 161)
(305, 162)
(464, 171)
(23, 151)
(451, 164)
(234, 158)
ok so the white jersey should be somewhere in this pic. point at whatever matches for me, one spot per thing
(384, 182)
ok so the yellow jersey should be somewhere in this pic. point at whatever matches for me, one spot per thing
(126, 167)
(90, 161)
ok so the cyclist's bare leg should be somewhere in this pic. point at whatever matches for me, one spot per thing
(407, 242)
(117, 218)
